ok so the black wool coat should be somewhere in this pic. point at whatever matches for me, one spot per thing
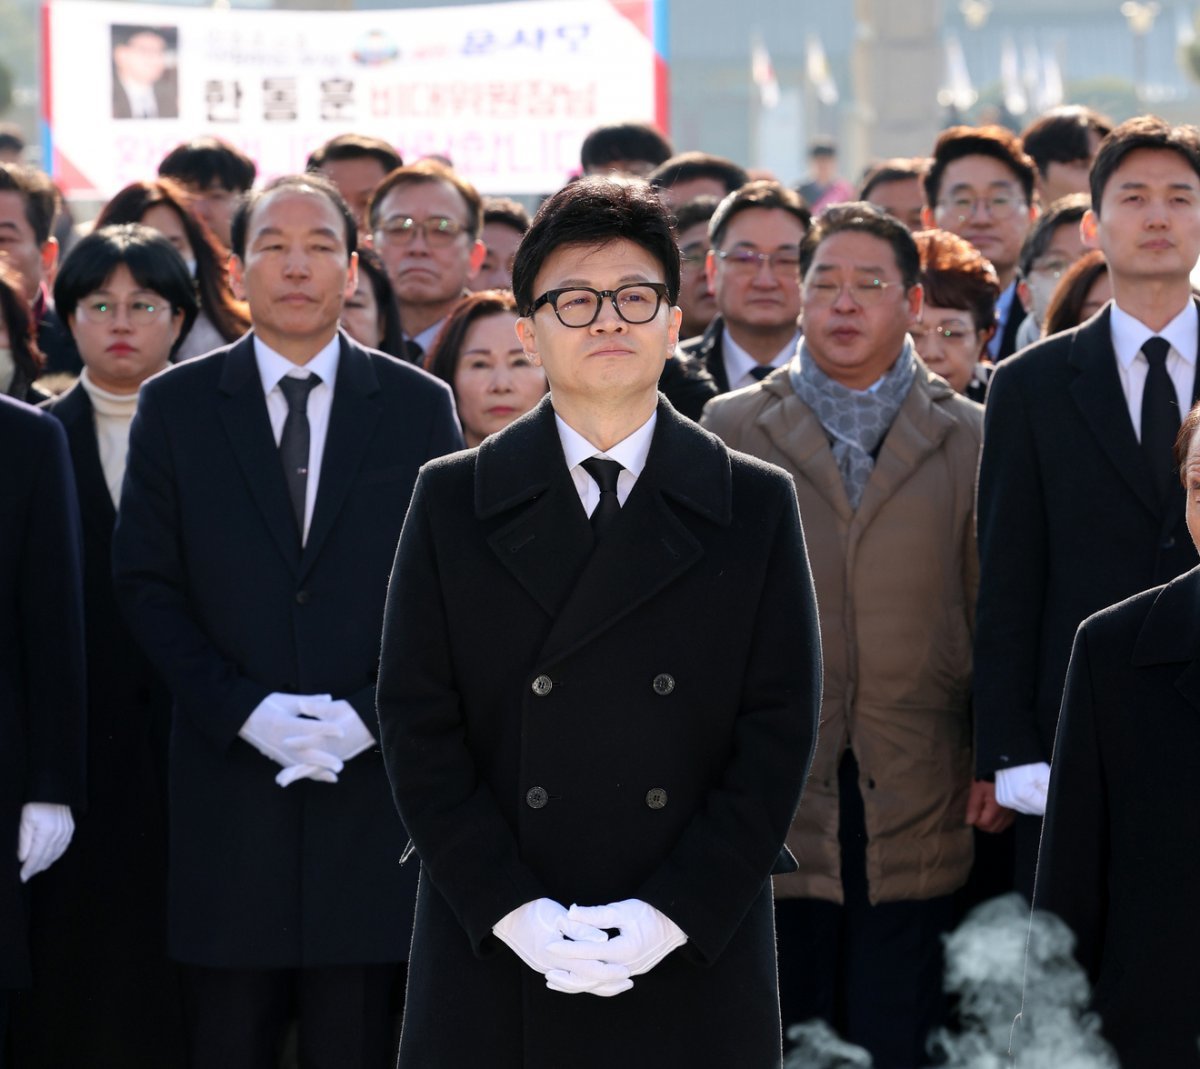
(1118, 860)
(1068, 523)
(228, 607)
(42, 694)
(630, 721)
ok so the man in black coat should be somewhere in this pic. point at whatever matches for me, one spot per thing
(1078, 508)
(42, 714)
(1118, 860)
(614, 715)
(264, 493)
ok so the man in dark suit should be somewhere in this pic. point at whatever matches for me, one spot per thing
(1077, 505)
(265, 489)
(753, 268)
(144, 84)
(1118, 860)
(42, 716)
(555, 735)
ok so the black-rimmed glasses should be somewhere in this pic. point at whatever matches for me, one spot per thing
(579, 306)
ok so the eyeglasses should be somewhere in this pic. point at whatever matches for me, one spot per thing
(1055, 269)
(694, 253)
(140, 313)
(1000, 206)
(438, 230)
(751, 260)
(579, 306)
(867, 292)
(951, 336)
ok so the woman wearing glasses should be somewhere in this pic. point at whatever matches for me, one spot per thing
(98, 923)
(958, 317)
(479, 355)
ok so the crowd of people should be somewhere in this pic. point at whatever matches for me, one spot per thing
(666, 747)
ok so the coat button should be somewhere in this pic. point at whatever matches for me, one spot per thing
(536, 797)
(656, 798)
(663, 684)
(302, 597)
(1168, 542)
(542, 686)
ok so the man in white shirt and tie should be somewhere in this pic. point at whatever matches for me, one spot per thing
(598, 692)
(1079, 505)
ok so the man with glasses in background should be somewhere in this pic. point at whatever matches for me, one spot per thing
(598, 795)
(1052, 246)
(883, 453)
(980, 186)
(425, 224)
(754, 252)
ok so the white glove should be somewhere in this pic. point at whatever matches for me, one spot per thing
(1024, 788)
(354, 738)
(45, 833)
(278, 731)
(530, 930)
(646, 935)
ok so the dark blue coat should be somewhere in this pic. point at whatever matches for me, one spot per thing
(633, 722)
(228, 607)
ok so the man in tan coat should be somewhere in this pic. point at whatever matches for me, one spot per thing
(884, 454)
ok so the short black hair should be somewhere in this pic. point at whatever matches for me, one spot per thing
(594, 212)
(995, 142)
(822, 146)
(623, 141)
(697, 210)
(354, 147)
(1145, 131)
(151, 259)
(302, 183)
(863, 218)
(1060, 135)
(11, 138)
(759, 194)
(205, 160)
(507, 212)
(38, 194)
(1066, 211)
(687, 166)
(898, 169)
(122, 35)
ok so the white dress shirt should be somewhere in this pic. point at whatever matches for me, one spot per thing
(1128, 337)
(271, 368)
(739, 364)
(630, 453)
(143, 104)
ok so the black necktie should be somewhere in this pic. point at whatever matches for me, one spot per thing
(413, 352)
(761, 372)
(293, 443)
(1160, 417)
(605, 473)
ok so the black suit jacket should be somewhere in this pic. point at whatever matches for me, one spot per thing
(229, 608)
(709, 352)
(1068, 523)
(553, 728)
(1119, 861)
(42, 710)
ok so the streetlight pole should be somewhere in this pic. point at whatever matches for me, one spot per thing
(1140, 17)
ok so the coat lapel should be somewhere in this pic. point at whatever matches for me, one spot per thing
(1097, 392)
(96, 509)
(1170, 634)
(243, 413)
(352, 420)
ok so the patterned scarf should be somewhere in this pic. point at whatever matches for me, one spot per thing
(856, 420)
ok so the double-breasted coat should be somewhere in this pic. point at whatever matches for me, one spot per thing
(633, 720)
(230, 608)
(42, 694)
(1118, 860)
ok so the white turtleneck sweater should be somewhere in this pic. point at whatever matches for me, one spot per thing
(113, 415)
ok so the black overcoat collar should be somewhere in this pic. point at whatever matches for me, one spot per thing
(352, 419)
(74, 411)
(1170, 634)
(547, 545)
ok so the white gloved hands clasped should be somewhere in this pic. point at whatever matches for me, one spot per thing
(1024, 788)
(645, 936)
(533, 930)
(354, 738)
(301, 744)
(44, 835)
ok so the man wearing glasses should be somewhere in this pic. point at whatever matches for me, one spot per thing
(980, 187)
(598, 692)
(754, 240)
(425, 223)
(883, 453)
